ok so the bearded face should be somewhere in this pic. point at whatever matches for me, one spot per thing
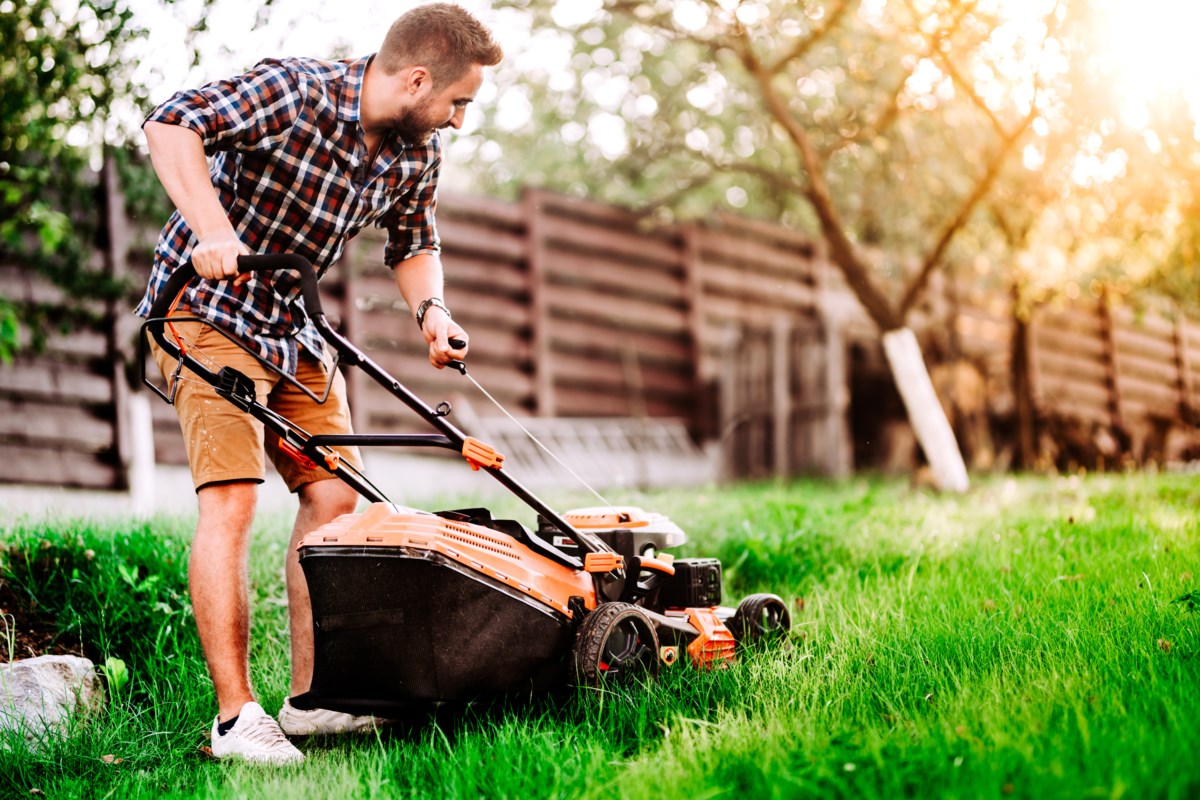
(416, 125)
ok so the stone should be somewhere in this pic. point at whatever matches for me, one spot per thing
(39, 695)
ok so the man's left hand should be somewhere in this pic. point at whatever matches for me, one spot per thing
(439, 330)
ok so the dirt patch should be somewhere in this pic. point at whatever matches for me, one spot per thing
(29, 632)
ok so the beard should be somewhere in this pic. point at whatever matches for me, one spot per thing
(416, 126)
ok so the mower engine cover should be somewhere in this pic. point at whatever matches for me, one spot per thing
(629, 530)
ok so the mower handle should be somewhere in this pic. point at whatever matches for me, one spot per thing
(269, 262)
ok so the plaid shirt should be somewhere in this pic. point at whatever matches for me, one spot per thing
(290, 168)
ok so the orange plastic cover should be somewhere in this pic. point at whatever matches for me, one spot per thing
(605, 518)
(296, 454)
(715, 645)
(602, 562)
(481, 454)
(488, 552)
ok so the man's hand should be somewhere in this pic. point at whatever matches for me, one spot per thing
(439, 329)
(215, 258)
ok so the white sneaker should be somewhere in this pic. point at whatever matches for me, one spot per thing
(322, 721)
(256, 738)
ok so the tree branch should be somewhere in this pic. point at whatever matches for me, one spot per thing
(842, 250)
(805, 43)
(1008, 139)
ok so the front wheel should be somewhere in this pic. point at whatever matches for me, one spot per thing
(760, 619)
(615, 645)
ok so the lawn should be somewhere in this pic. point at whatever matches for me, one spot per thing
(1030, 639)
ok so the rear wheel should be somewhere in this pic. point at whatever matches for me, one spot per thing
(615, 645)
(760, 619)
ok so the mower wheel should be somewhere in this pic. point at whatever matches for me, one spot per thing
(760, 618)
(616, 644)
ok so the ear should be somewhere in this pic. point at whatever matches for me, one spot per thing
(419, 81)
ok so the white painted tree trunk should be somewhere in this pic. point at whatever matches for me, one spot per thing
(925, 411)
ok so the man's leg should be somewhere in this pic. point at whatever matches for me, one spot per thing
(219, 583)
(320, 502)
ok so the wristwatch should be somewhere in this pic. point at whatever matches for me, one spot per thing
(423, 309)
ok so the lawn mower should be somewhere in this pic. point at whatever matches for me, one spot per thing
(415, 609)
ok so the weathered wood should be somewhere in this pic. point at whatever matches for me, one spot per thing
(606, 374)
(43, 465)
(571, 303)
(1183, 369)
(480, 274)
(768, 290)
(748, 228)
(1135, 343)
(602, 338)
(619, 278)
(568, 234)
(63, 426)
(539, 304)
(754, 255)
(1070, 341)
(1079, 320)
(1059, 366)
(585, 402)
(38, 379)
(462, 238)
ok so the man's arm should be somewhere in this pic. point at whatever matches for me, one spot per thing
(420, 278)
(177, 154)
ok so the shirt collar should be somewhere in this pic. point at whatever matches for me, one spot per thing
(350, 99)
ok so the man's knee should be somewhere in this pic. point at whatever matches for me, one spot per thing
(328, 499)
(228, 505)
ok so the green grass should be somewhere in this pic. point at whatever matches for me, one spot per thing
(1019, 641)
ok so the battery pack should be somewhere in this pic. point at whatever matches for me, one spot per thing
(695, 584)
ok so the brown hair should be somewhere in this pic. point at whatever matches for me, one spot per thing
(442, 37)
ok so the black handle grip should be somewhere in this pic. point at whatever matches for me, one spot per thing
(182, 276)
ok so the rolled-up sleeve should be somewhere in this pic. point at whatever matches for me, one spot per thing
(410, 224)
(253, 111)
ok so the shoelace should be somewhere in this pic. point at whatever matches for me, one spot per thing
(265, 733)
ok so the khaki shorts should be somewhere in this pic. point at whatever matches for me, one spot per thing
(225, 443)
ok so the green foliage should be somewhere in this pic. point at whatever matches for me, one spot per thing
(62, 70)
(1019, 641)
(903, 102)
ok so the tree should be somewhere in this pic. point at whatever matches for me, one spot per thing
(878, 125)
(62, 70)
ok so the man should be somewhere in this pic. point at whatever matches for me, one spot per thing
(307, 153)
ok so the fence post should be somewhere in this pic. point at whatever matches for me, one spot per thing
(131, 429)
(703, 416)
(728, 413)
(1111, 375)
(1183, 367)
(539, 316)
(838, 455)
(1024, 378)
(781, 394)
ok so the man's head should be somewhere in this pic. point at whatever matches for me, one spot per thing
(431, 62)
(443, 38)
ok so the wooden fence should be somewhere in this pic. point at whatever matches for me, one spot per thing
(739, 328)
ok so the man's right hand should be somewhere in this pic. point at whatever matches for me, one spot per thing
(215, 258)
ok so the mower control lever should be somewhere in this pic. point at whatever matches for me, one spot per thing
(458, 364)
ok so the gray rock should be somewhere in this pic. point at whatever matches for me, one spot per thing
(39, 695)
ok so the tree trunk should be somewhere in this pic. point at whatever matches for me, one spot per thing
(928, 418)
